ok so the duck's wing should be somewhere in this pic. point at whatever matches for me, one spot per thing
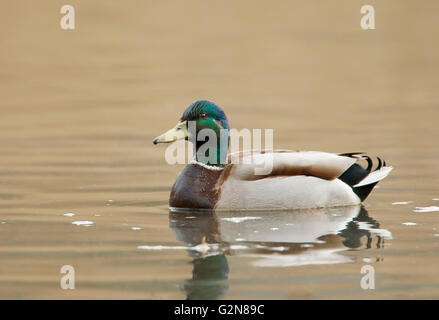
(255, 165)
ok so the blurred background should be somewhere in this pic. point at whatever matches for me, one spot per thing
(79, 109)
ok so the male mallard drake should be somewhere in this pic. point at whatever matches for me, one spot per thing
(297, 179)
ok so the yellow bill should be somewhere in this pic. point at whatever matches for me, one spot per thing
(176, 133)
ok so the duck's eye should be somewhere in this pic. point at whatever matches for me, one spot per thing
(203, 115)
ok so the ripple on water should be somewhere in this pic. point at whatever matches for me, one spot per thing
(83, 223)
(160, 247)
(240, 219)
(203, 247)
(427, 209)
(69, 214)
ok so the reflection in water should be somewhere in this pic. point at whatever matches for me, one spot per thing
(363, 225)
(209, 278)
(210, 271)
(270, 239)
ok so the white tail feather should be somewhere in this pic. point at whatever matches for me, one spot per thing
(374, 176)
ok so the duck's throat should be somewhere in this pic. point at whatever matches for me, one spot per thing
(213, 153)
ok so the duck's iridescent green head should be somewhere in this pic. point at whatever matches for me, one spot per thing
(207, 115)
(201, 115)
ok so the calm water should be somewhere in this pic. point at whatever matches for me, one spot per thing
(79, 110)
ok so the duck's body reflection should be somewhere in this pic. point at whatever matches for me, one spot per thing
(272, 239)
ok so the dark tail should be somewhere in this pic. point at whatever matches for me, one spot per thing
(363, 180)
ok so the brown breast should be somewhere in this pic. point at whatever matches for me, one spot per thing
(196, 187)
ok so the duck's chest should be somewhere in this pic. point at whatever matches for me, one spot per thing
(196, 187)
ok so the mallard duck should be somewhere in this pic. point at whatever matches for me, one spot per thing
(297, 179)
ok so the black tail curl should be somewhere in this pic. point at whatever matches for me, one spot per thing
(356, 173)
